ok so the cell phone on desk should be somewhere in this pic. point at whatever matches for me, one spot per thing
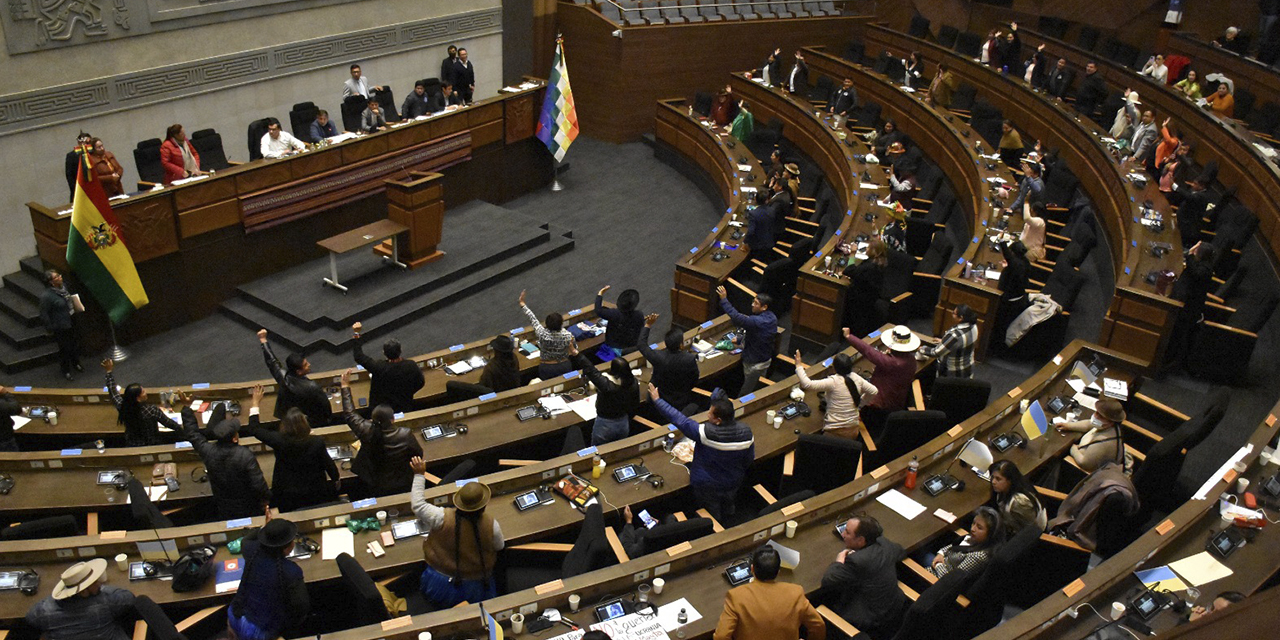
(436, 431)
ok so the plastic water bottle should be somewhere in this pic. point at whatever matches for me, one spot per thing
(913, 469)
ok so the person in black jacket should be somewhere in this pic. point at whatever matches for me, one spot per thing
(415, 104)
(797, 80)
(239, 489)
(502, 371)
(395, 380)
(382, 465)
(296, 390)
(625, 321)
(141, 420)
(617, 397)
(1059, 82)
(9, 407)
(75, 158)
(1195, 202)
(675, 371)
(1092, 90)
(864, 580)
(272, 600)
(464, 77)
(55, 313)
(844, 100)
(1013, 287)
(1192, 290)
(1010, 48)
(446, 65)
(304, 475)
(771, 70)
(447, 97)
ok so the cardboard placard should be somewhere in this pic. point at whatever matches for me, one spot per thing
(548, 587)
(1164, 527)
(1073, 588)
(793, 508)
(879, 471)
(396, 623)
(680, 548)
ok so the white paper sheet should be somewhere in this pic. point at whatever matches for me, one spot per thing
(1077, 385)
(667, 614)
(554, 404)
(1200, 569)
(585, 408)
(1086, 401)
(337, 541)
(790, 557)
(20, 422)
(899, 502)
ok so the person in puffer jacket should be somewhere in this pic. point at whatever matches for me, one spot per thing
(723, 451)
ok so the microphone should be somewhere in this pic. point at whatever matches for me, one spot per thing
(940, 482)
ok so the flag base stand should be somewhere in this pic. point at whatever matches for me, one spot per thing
(555, 178)
(116, 352)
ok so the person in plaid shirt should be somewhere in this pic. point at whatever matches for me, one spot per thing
(955, 351)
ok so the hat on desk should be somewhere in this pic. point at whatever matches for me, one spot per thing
(901, 339)
(78, 577)
(502, 344)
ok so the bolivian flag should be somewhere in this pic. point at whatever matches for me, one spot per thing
(96, 251)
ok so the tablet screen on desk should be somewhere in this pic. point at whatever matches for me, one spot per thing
(405, 529)
(9, 579)
(432, 432)
(526, 500)
(623, 474)
(109, 477)
(610, 611)
(935, 485)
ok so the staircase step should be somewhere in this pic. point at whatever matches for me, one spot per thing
(15, 333)
(14, 360)
(19, 307)
(34, 266)
(25, 284)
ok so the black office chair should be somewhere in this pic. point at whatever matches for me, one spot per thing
(969, 44)
(1088, 38)
(146, 515)
(258, 129)
(456, 391)
(855, 52)
(300, 118)
(702, 104)
(821, 91)
(590, 551)
(146, 157)
(996, 584)
(936, 603)
(63, 526)
(352, 108)
(822, 463)
(799, 496)
(208, 143)
(159, 626)
(670, 534)
(364, 600)
(573, 441)
(895, 304)
(919, 27)
(959, 398)
(387, 100)
(904, 431)
(1222, 351)
(947, 35)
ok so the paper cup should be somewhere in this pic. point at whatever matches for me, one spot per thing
(53, 418)
(1117, 610)
(575, 601)
(1242, 485)
(658, 584)
(517, 623)
(791, 528)
(768, 415)
(425, 635)
(1241, 466)
(382, 517)
(777, 422)
(122, 562)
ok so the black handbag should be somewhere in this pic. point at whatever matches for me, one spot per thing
(193, 569)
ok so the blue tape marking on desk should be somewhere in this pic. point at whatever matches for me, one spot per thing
(975, 241)
(960, 261)
(874, 334)
(359, 367)
(1135, 218)
(22, 388)
(1126, 271)
(1134, 243)
(106, 390)
(827, 362)
(364, 504)
(747, 398)
(182, 444)
(705, 324)
(72, 452)
(589, 451)
(398, 416)
(200, 385)
(672, 427)
(517, 331)
(488, 396)
(818, 254)
(849, 212)
(1132, 199)
(984, 223)
(575, 312)
(693, 250)
(239, 522)
(837, 232)
(572, 374)
(715, 229)
(466, 481)
(457, 347)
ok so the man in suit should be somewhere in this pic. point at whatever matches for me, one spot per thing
(1092, 90)
(771, 70)
(446, 65)
(239, 488)
(55, 312)
(322, 128)
(296, 389)
(864, 580)
(675, 371)
(464, 77)
(416, 103)
(764, 608)
(1145, 138)
(798, 79)
(1060, 79)
(760, 236)
(358, 85)
(1195, 201)
(843, 102)
(395, 380)
(445, 100)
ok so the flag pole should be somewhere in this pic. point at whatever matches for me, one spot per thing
(116, 352)
(555, 179)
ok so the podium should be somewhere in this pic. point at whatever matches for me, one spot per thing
(417, 202)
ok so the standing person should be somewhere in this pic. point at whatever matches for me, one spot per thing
(9, 407)
(1013, 287)
(974, 550)
(1059, 82)
(1100, 440)
(502, 371)
(296, 389)
(81, 606)
(1011, 51)
(798, 79)
(1091, 92)
(675, 370)
(464, 77)
(912, 70)
(723, 451)
(771, 70)
(844, 391)
(892, 376)
(56, 307)
(864, 578)
(75, 158)
(955, 350)
(866, 281)
(990, 53)
(272, 598)
(395, 380)
(617, 398)
(358, 85)
(942, 87)
(1037, 69)
(382, 465)
(446, 65)
(107, 168)
(141, 420)
(1015, 498)
(1033, 230)
(625, 322)
(1192, 290)
(843, 102)
(761, 328)
(178, 156)
(463, 546)
(553, 343)
(765, 608)
(239, 489)
(304, 475)
(1195, 204)
(1029, 188)
(1010, 144)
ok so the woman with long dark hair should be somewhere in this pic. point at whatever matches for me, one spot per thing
(272, 599)
(1015, 498)
(625, 322)
(304, 474)
(382, 465)
(843, 391)
(617, 400)
(141, 420)
(974, 550)
(502, 371)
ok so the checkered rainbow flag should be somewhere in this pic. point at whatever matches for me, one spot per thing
(558, 124)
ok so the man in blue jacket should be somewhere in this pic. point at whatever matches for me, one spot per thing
(723, 451)
(761, 329)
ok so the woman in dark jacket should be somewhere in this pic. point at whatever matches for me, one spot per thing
(618, 396)
(385, 449)
(304, 474)
(625, 322)
(141, 421)
(1013, 287)
(502, 372)
(272, 600)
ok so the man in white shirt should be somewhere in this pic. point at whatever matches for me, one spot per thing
(278, 144)
(358, 84)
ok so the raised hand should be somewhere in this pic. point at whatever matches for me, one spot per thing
(257, 395)
(720, 291)
(651, 320)
(418, 465)
(522, 297)
(346, 378)
(604, 289)
(108, 364)
(799, 363)
(262, 336)
(653, 392)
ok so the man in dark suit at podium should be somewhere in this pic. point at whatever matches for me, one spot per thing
(74, 158)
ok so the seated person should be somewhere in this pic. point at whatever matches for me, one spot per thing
(894, 233)
(973, 551)
(1100, 439)
(1221, 102)
(81, 606)
(415, 104)
(1222, 601)
(904, 186)
(373, 119)
(446, 100)
(278, 144)
(1231, 41)
(1189, 86)
(1014, 497)
(864, 578)
(322, 127)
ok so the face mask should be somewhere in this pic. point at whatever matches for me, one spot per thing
(1096, 421)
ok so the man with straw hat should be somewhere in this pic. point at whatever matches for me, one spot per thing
(463, 545)
(81, 606)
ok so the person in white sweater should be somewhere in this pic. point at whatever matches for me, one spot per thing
(1156, 69)
(844, 391)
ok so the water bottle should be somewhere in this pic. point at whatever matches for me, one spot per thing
(913, 469)
(682, 617)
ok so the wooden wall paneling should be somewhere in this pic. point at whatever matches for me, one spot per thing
(209, 217)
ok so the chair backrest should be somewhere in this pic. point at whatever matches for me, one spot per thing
(1064, 284)
(208, 144)
(257, 129)
(897, 274)
(1088, 38)
(935, 604)
(937, 257)
(823, 463)
(159, 626)
(959, 398)
(907, 430)
(779, 282)
(947, 35)
(1255, 312)
(352, 107)
(702, 103)
(994, 586)
(799, 496)
(300, 118)
(369, 608)
(146, 157)
(1192, 432)
(969, 44)
(63, 526)
(458, 391)
(573, 441)
(462, 470)
(145, 512)
(919, 27)
(591, 550)
(668, 535)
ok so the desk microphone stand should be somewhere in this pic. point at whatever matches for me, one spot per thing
(116, 352)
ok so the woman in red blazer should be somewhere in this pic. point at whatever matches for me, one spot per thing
(171, 155)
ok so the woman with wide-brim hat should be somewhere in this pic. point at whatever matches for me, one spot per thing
(1100, 439)
(463, 545)
(272, 599)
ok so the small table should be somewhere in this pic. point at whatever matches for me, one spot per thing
(362, 237)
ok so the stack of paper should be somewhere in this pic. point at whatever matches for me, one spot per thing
(1117, 389)
(899, 502)
(555, 404)
(585, 408)
(1200, 569)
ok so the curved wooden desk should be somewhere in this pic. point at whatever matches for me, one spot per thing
(1139, 320)
(1246, 72)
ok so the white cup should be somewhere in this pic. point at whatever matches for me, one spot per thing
(777, 422)
(53, 418)
(425, 635)
(1242, 485)
(642, 592)
(575, 601)
(768, 415)
(1117, 610)
(517, 623)
(791, 528)
(1241, 466)
(1265, 457)
(658, 584)
(122, 562)
(382, 517)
